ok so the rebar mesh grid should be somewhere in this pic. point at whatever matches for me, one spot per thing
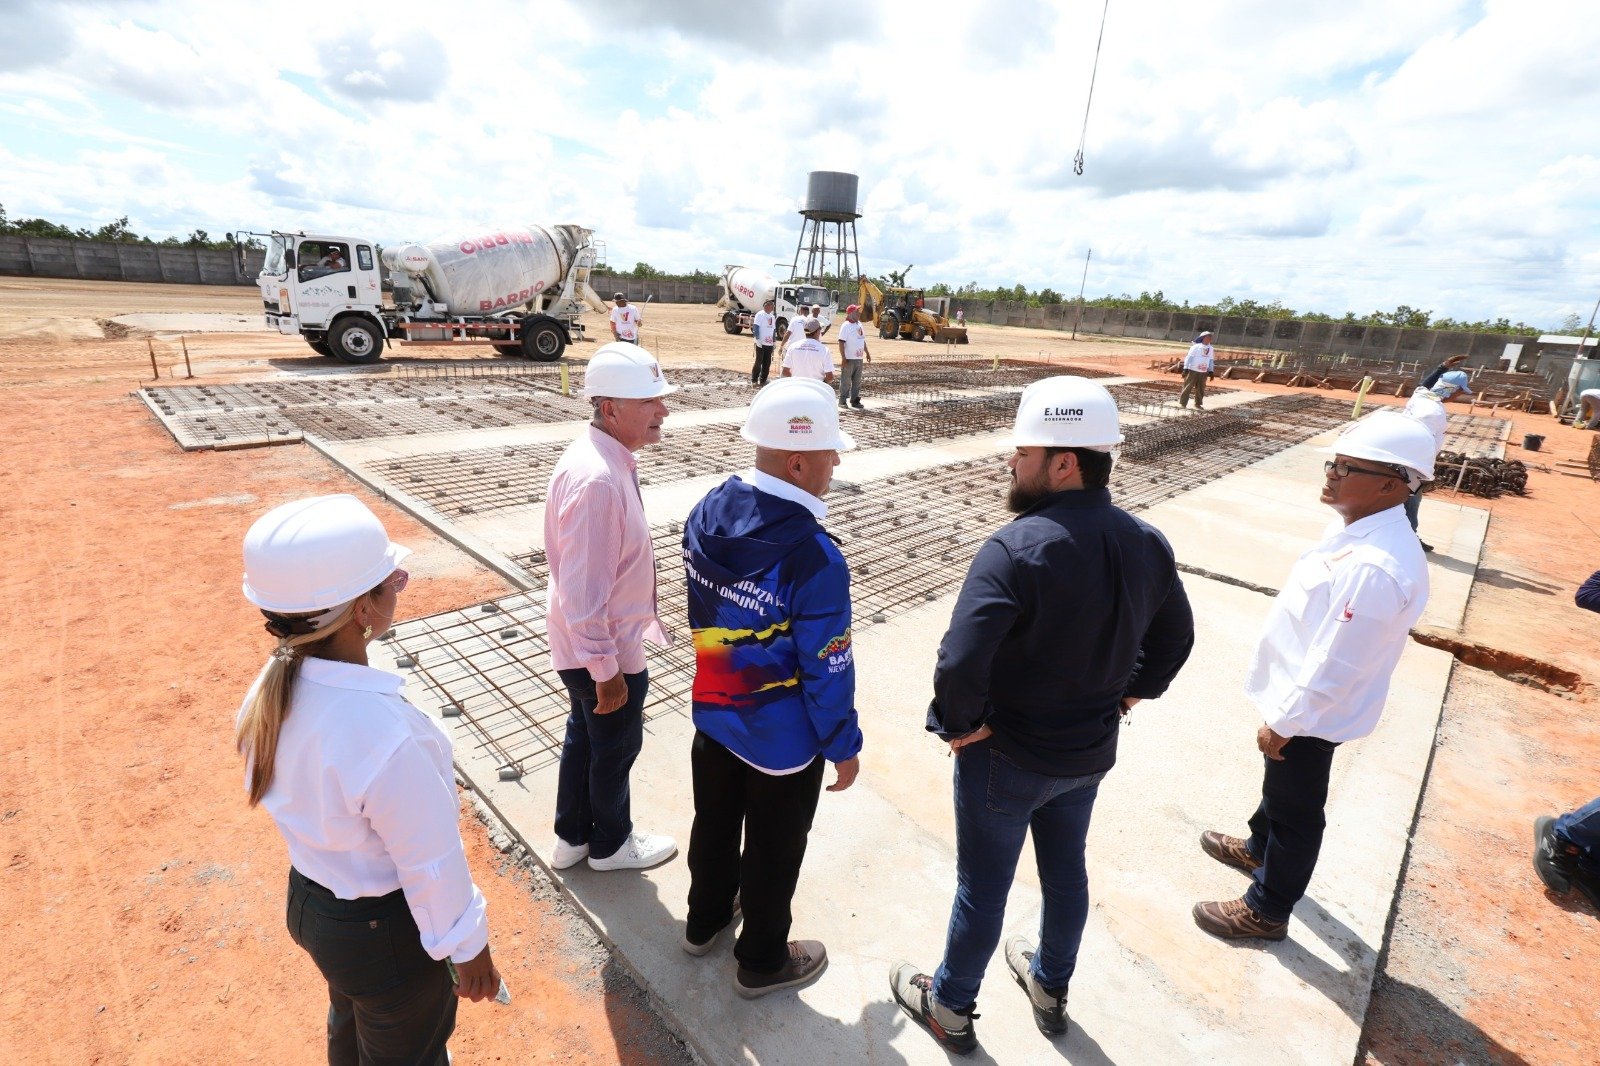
(1476, 436)
(909, 539)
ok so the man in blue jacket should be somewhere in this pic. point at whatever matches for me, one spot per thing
(774, 685)
(1069, 616)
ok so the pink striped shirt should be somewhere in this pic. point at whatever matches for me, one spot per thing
(602, 569)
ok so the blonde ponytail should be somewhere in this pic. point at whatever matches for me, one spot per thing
(263, 717)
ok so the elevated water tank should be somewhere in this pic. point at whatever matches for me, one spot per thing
(831, 196)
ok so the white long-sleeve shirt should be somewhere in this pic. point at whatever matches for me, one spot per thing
(364, 794)
(1199, 358)
(1337, 629)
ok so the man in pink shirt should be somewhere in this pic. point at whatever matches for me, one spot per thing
(602, 609)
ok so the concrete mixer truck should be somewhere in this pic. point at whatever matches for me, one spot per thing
(520, 290)
(744, 289)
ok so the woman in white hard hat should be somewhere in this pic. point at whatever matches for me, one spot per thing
(361, 785)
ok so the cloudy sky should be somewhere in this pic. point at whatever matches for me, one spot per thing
(1340, 157)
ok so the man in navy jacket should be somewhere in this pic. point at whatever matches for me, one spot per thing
(1069, 616)
(774, 685)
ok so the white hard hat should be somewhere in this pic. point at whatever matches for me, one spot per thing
(623, 371)
(1066, 412)
(1393, 438)
(316, 553)
(1428, 409)
(796, 415)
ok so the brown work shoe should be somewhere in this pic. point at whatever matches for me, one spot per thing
(1235, 919)
(1229, 851)
(807, 960)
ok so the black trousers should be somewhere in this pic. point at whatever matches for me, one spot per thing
(1286, 830)
(388, 1001)
(762, 365)
(774, 814)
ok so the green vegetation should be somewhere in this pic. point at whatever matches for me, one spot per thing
(118, 232)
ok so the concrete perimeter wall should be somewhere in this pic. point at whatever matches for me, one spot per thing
(54, 257)
(665, 292)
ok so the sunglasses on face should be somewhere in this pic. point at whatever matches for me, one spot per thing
(1340, 469)
(395, 582)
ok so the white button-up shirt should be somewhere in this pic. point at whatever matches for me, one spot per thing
(1199, 358)
(808, 359)
(364, 794)
(1337, 629)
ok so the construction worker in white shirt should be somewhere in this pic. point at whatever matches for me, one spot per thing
(852, 352)
(1321, 670)
(764, 331)
(625, 320)
(361, 785)
(809, 358)
(796, 330)
(1197, 368)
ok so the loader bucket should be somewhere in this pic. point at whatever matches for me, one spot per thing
(950, 334)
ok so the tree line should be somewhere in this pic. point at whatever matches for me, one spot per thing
(118, 231)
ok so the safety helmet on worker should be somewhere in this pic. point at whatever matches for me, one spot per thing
(624, 371)
(1427, 408)
(1394, 439)
(796, 415)
(313, 554)
(1067, 412)
(1452, 382)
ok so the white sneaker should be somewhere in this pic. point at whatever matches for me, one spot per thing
(566, 855)
(642, 851)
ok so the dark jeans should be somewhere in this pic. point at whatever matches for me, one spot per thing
(1286, 830)
(1413, 505)
(1581, 828)
(593, 804)
(774, 814)
(763, 364)
(388, 1001)
(997, 802)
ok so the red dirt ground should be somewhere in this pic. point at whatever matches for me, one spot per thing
(143, 899)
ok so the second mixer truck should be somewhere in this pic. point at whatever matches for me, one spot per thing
(744, 289)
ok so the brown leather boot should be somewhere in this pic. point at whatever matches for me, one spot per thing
(1235, 920)
(1230, 851)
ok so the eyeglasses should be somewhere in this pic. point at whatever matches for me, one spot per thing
(1340, 469)
(396, 582)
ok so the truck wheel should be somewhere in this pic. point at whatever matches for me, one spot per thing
(919, 332)
(320, 346)
(730, 323)
(513, 350)
(889, 326)
(355, 340)
(543, 341)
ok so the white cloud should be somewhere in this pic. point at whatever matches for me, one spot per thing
(1439, 153)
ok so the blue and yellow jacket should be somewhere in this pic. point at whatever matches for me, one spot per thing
(769, 604)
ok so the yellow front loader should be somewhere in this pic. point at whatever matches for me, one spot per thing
(907, 313)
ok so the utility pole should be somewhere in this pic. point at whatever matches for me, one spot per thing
(1078, 319)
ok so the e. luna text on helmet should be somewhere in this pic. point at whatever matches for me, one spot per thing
(1062, 412)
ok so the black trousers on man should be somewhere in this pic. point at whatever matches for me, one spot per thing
(774, 815)
(762, 366)
(389, 1002)
(1286, 830)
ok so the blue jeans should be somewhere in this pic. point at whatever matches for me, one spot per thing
(996, 803)
(593, 804)
(1413, 505)
(1581, 828)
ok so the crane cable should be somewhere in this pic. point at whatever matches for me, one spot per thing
(1077, 160)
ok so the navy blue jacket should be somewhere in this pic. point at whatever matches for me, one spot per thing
(769, 604)
(1588, 596)
(1071, 607)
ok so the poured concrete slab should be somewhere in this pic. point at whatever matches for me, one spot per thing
(1151, 988)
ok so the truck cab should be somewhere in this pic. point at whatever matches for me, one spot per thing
(328, 289)
(792, 295)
